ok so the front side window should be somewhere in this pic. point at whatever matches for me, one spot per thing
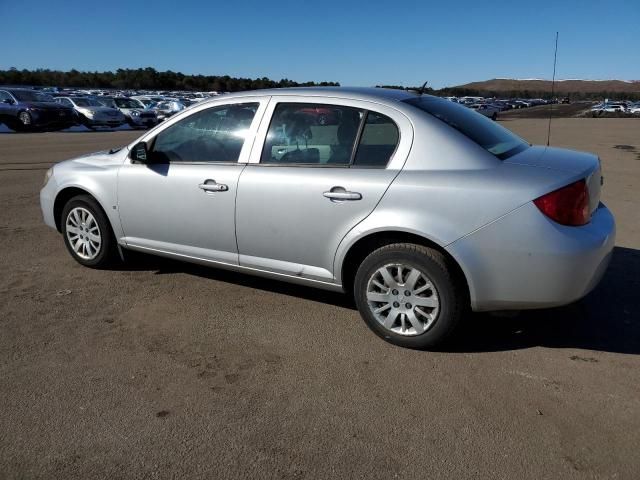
(4, 96)
(312, 134)
(216, 134)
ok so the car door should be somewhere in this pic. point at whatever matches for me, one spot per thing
(317, 170)
(183, 202)
(7, 106)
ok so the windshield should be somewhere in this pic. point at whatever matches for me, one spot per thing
(483, 131)
(29, 96)
(127, 103)
(107, 102)
(87, 102)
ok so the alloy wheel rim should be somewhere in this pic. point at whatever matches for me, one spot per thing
(25, 118)
(83, 233)
(403, 299)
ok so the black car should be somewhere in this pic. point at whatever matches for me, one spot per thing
(23, 109)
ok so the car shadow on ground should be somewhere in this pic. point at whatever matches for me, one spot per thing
(608, 319)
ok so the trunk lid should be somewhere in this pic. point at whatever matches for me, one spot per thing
(585, 165)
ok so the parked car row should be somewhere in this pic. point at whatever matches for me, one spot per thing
(490, 107)
(25, 109)
(624, 107)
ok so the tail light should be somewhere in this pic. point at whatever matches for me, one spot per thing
(568, 205)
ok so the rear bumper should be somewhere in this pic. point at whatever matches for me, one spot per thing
(525, 260)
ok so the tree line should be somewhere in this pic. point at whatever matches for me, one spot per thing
(144, 79)
(151, 79)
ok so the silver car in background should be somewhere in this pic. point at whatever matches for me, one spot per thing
(136, 114)
(417, 206)
(91, 113)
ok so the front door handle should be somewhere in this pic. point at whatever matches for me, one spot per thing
(340, 194)
(212, 186)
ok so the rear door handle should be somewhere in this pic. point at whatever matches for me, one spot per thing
(339, 193)
(212, 186)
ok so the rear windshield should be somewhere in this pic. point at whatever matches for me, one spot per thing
(483, 131)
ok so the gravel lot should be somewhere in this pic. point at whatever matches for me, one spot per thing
(168, 370)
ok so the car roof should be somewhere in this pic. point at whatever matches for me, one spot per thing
(354, 93)
(23, 90)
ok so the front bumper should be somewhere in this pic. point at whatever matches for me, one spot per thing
(143, 121)
(525, 260)
(47, 200)
(104, 121)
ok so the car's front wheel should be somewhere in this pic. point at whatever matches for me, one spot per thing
(410, 295)
(87, 233)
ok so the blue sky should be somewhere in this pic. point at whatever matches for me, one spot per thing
(356, 43)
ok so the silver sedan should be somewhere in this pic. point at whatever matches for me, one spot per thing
(418, 207)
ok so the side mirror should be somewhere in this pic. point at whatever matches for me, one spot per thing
(139, 153)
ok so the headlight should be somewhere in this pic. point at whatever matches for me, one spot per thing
(135, 113)
(88, 113)
(47, 176)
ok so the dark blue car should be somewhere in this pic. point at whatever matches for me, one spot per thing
(24, 110)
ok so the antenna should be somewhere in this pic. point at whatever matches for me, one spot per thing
(424, 85)
(553, 85)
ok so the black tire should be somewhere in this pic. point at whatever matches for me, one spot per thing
(451, 290)
(494, 117)
(108, 251)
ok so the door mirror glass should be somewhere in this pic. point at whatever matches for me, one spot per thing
(139, 153)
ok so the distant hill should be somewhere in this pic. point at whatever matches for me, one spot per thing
(567, 87)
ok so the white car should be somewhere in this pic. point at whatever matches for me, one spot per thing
(634, 109)
(91, 113)
(486, 109)
(134, 111)
(148, 100)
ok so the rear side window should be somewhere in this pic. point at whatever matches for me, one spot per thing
(378, 141)
(325, 135)
(313, 134)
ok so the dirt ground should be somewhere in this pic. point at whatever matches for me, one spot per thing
(168, 370)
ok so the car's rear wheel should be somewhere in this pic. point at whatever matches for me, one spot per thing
(87, 233)
(494, 116)
(410, 295)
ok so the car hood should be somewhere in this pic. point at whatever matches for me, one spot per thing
(102, 159)
(99, 109)
(556, 159)
(141, 110)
